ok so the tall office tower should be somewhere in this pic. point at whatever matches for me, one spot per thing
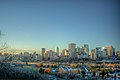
(51, 56)
(110, 50)
(114, 52)
(43, 53)
(57, 51)
(46, 55)
(78, 50)
(86, 48)
(98, 52)
(104, 54)
(82, 50)
(92, 54)
(71, 49)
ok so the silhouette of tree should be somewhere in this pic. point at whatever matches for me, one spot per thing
(4, 45)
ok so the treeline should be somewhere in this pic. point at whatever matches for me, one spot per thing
(10, 72)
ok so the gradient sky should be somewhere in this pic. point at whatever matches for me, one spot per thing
(33, 24)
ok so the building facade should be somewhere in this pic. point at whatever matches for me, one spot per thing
(86, 48)
(71, 49)
(43, 53)
(57, 51)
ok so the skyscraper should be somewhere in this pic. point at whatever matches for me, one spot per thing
(86, 48)
(92, 54)
(110, 50)
(78, 49)
(43, 52)
(57, 51)
(71, 49)
(51, 56)
(46, 55)
(98, 52)
(104, 54)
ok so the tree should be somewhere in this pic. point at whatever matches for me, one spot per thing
(3, 46)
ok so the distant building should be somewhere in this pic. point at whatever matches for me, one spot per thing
(105, 53)
(51, 56)
(83, 55)
(92, 54)
(98, 52)
(38, 57)
(86, 48)
(34, 56)
(46, 55)
(65, 53)
(43, 53)
(114, 53)
(78, 50)
(110, 50)
(118, 53)
(57, 51)
(71, 49)
(82, 50)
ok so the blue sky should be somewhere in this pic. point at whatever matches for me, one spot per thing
(33, 24)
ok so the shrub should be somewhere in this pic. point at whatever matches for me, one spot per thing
(47, 70)
(51, 73)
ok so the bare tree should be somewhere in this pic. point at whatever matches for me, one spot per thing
(4, 45)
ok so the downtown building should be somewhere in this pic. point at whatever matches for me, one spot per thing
(46, 55)
(98, 53)
(83, 55)
(71, 49)
(83, 52)
(110, 51)
(105, 52)
(36, 57)
(49, 55)
(93, 54)
(57, 51)
(43, 53)
(86, 48)
(65, 53)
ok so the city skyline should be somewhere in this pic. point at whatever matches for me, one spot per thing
(38, 24)
(58, 50)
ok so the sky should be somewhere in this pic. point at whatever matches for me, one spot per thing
(34, 24)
